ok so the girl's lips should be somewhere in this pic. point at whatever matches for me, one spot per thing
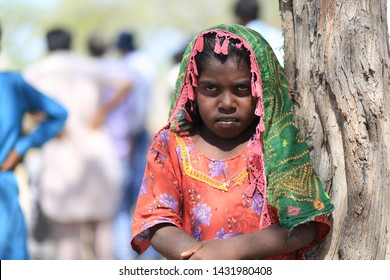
(227, 120)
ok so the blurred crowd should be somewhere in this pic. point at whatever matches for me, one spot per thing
(79, 188)
(85, 181)
(82, 185)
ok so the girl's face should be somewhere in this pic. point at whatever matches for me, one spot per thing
(224, 98)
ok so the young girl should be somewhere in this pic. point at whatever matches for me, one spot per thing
(230, 177)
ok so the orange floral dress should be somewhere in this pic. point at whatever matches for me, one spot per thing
(202, 196)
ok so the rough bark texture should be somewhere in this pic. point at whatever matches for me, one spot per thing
(337, 63)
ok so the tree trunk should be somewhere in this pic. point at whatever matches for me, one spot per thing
(337, 63)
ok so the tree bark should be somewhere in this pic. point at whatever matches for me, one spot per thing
(337, 64)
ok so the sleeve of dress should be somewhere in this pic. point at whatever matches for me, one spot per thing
(160, 198)
(55, 116)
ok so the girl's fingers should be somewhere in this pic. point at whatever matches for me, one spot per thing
(187, 254)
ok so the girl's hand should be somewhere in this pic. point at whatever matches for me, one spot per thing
(221, 249)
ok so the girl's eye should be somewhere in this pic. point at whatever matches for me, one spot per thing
(243, 88)
(211, 88)
(208, 90)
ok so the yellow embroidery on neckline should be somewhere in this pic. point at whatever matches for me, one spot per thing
(200, 176)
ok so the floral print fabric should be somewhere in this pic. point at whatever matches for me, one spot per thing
(195, 202)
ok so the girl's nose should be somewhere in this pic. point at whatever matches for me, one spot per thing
(227, 101)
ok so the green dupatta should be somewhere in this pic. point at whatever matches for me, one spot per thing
(281, 166)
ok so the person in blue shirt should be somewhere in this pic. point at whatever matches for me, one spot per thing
(17, 98)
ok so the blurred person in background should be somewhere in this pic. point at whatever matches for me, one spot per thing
(248, 13)
(162, 95)
(17, 99)
(119, 126)
(80, 177)
(139, 65)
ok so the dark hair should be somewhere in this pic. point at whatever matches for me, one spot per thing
(58, 39)
(208, 53)
(247, 10)
(126, 41)
(96, 45)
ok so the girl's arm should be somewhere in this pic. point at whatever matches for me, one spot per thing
(267, 242)
(170, 241)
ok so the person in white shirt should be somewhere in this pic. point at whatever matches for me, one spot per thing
(247, 13)
(143, 69)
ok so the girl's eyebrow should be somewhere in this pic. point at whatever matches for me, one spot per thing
(245, 81)
(206, 82)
